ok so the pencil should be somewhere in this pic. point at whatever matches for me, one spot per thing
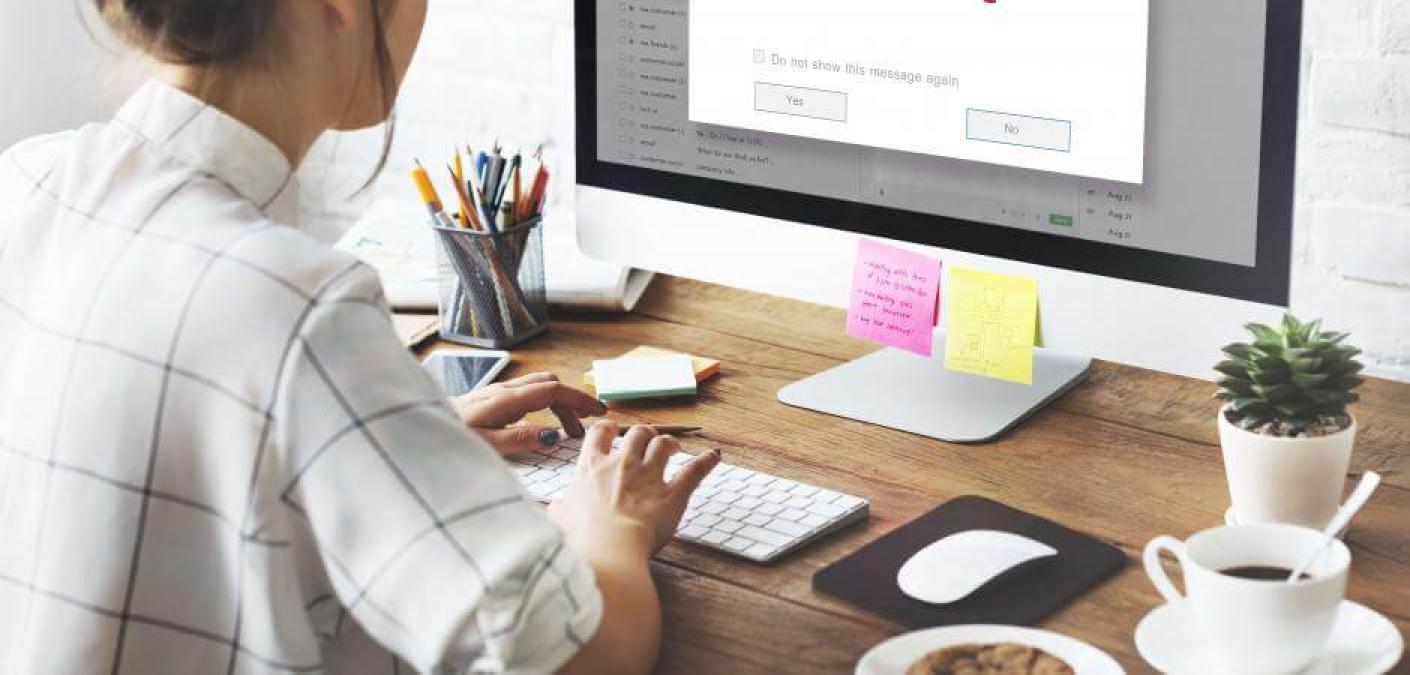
(466, 206)
(429, 196)
(458, 175)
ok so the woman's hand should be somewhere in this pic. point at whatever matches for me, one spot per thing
(622, 498)
(490, 411)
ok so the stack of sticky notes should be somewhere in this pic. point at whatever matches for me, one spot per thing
(649, 372)
(638, 377)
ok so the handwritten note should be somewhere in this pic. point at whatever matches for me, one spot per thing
(993, 325)
(895, 297)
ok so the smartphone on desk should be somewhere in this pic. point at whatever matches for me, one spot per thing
(460, 373)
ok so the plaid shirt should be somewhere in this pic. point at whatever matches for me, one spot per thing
(215, 455)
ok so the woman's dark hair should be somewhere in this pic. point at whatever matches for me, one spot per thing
(224, 32)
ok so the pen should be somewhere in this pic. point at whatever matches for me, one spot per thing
(663, 429)
(503, 187)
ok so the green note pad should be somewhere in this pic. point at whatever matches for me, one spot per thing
(645, 377)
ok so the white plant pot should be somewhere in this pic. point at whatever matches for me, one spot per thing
(1285, 480)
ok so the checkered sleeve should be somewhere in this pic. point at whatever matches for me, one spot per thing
(426, 536)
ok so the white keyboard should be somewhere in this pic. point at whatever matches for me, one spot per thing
(741, 512)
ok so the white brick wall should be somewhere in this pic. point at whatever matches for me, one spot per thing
(1352, 264)
(502, 66)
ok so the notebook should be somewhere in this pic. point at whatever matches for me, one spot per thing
(644, 377)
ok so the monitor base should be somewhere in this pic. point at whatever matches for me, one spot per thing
(912, 393)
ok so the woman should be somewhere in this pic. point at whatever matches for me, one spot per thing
(215, 456)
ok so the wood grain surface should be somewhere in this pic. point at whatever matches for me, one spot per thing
(1127, 455)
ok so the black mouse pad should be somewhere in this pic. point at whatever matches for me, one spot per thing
(867, 578)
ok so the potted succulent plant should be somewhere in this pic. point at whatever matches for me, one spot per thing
(1285, 430)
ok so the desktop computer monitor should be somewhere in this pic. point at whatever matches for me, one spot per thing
(1136, 157)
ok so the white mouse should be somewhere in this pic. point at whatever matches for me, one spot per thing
(952, 568)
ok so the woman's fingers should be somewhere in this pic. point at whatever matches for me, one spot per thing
(634, 446)
(517, 439)
(569, 418)
(598, 442)
(694, 471)
(531, 378)
(659, 451)
(513, 403)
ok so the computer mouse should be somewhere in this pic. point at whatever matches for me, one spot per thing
(956, 566)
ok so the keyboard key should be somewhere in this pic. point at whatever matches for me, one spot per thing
(776, 497)
(811, 520)
(738, 544)
(706, 520)
(784, 484)
(757, 519)
(762, 479)
(765, 536)
(706, 493)
(754, 491)
(827, 510)
(716, 538)
(727, 497)
(728, 526)
(539, 475)
(826, 496)
(761, 551)
(848, 501)
(794, 514)
(713, 507)
(804, 490)
(770, 509)
(692, 532)
(736, 514)
(748, 503)
(733, 485)
(788, 527)
(799, 503)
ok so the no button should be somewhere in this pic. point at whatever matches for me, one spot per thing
(1013, 129)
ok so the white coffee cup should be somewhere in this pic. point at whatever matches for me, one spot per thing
(1254, 626)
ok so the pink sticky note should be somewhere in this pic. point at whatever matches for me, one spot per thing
(895, 297)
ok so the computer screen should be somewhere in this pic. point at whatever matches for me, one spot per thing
(1150, 140)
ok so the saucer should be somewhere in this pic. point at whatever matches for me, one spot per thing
(1362, 643)
(893, 656)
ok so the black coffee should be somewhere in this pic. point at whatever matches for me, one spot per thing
(1261, 573)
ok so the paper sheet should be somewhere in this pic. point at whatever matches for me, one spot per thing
(895, 297)
(993, 325)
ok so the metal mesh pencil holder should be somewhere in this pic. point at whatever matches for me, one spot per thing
(492, 285)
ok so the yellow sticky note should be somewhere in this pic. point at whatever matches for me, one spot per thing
(993, 324)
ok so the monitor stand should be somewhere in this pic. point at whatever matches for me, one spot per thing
(901, 390)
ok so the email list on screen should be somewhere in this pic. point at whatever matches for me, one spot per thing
(1103, 120)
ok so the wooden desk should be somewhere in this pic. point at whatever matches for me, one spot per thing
(1128, 455)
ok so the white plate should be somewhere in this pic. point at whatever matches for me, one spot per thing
(1362, 643)
(893, 656)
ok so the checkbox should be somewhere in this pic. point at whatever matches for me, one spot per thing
(758, 56)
